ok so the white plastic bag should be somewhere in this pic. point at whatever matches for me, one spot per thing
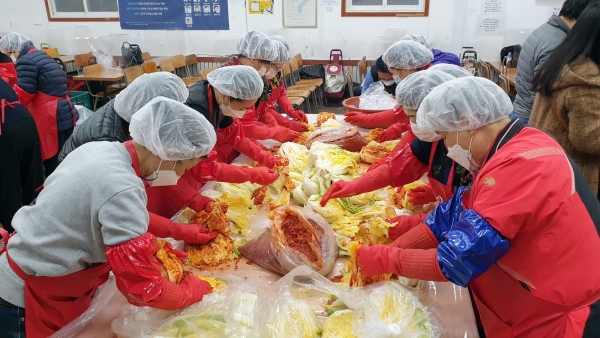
(84, 114)
(376, 98)
(105, 59)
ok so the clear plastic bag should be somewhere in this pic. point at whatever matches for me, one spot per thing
(84, 114)
(376, 98)
(105, 59)
(224, 314)
(102, 300)
(271, 248)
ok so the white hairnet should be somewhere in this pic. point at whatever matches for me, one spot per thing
(412, 90)
(407, 55)
(145, 88)
(282, 53)
(172, 130)
(453, 70)
(280, 39)
(239, 82)
(14, 42)
(462, 104)
(256, 45)
(420, 39)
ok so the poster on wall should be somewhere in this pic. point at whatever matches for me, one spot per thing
(300, 13)
(492, 7)
(491, 25)
(174, 14)
(260, 6)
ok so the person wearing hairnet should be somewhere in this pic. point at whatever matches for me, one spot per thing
(379, 73)
(282, 40)
(521, 237)
(42, 88)
(426, 155)
(60, 254)
(439, 57)
(264, 122)
(402, 59)
(223, 99)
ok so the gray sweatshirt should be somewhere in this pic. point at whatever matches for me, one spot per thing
(93, 200)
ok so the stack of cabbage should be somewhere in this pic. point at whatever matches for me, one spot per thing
(239, 200)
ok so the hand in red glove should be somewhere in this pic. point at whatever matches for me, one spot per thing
(422, 195)
(298, 115)
(297, 126)
(200, 202)
(393, 132)
(283, 134)
(411, 263)
(178, 253)
(262, 156)
(262, 176)
(371, 180)
(189, 233)
(404, 224)
(382, 119)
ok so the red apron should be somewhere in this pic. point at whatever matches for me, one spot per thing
(53, 302)
(9, 73)
(43, 110)
(444, 191)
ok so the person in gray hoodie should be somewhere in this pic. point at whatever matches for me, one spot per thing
(536, 50)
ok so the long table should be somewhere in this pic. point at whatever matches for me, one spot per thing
(453, 300)
(511, 73)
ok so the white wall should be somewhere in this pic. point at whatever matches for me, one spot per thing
(451, 24)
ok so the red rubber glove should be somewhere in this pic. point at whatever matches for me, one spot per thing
(138, 276)
(393, 132)
(419, 237)
(208, 170)
(298, 115)
(405, 167)
(260, 131)
(284, 103)
(371, 180)
(282, 121)
(262, 156)
(382, 119)
(411, 263)
(189, 233)
(407, 138)
(200, 202)
(422, 195)
(178, 253)
(405, 223)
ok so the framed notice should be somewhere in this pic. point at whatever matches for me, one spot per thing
(174, 14)
(385, 7)
(300, 13)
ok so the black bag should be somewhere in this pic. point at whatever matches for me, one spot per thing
(515, 50)
(312, 72)
(132, 55)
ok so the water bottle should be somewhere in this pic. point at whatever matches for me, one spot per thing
(509, 60)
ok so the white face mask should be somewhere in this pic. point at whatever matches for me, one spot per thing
(13, 58)
(262, 71)
(271, 74)
(228, 111)
(161, 178)
(397, 79)
(424, 136)
(462, 156)
(388, 82)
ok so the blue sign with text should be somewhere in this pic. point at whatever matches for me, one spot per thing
(174, 14)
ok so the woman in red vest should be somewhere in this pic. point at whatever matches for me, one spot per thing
(524, 237)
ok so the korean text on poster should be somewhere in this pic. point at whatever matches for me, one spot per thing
(174, 14)
(299, 13)
(491, 25)
(492, 7)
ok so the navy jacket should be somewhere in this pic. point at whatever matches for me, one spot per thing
(37, 71)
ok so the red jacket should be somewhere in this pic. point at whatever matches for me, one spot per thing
(543, 287)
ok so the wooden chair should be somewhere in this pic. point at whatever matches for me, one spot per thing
(362, 68)
(149, 67)
(207, 71)
(167, 66)
(146, 56)
(53, 52)
(311, 85)
(131, 73)
(180, 67)
(485, 68)
(82, 60)
(193, 65)
(299, 64)
(350, 82)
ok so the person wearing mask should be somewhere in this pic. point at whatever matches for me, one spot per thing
(380, 72)
(42, 88)
(568, 102)
(264, 122)
(426, 155)
(8, 73)
(51, 267)
(223, 99)
(21, 168)
(402, 59)
(439, 57)
(510, 236)
(537, 49)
